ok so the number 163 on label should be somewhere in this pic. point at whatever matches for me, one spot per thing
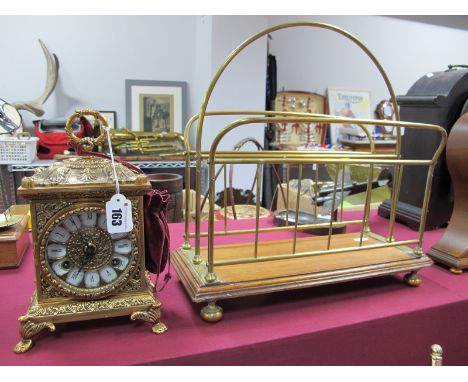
(119, 214)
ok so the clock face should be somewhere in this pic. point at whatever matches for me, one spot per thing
(82, 259)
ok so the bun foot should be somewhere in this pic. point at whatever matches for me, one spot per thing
(456, 271)
(412, 279)
(211, 312)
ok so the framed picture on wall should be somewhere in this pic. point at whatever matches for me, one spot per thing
(156, 106)
(349, 104)
(110, 116)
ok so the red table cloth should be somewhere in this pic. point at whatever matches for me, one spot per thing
(368, 322)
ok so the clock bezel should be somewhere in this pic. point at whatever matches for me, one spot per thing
(69, 290)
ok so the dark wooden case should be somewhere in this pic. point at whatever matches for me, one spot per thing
(436, 98)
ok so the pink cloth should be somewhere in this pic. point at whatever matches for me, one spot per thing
(368, 322)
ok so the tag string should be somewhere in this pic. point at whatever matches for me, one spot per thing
(117, 186)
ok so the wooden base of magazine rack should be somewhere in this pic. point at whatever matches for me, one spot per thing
(293, 273)
(215, 272)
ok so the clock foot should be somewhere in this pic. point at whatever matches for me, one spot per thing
(29, 329)
(23, 346)
(159, 328)
(412, 279)
(456, 271)
(211, 312)
(153, 314)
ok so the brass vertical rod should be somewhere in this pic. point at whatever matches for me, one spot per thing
(427, 194)
(211, 191)
(287, 194)
(257, 207)
(296, 217)
(205, 197)
(365, 219)
(395, 196)
(316, 189)
(187, 153)
(398, 138)
(281, 191)
(197, 205)
(342, 190)
(332, 211)
(187, 199)
(225, 199)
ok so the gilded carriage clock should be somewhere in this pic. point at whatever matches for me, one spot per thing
(83, 272)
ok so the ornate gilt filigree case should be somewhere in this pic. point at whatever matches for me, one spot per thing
(82, 271)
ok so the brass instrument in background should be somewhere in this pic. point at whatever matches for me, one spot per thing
(145, 144)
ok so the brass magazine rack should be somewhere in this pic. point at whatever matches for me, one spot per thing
(211, 271)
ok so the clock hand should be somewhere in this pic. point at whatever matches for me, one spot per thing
(89, 251)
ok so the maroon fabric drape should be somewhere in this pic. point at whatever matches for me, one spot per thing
(156, 231)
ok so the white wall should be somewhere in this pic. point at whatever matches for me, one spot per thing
(202, 57)
(242, 84)
(312, 59)
(240, 87)
(96, 54)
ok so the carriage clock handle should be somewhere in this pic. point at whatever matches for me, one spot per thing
(87, 142)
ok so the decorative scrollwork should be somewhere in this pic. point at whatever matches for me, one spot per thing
(44, 211)
(134, 284)
(48, 291)
(82, 170)
(28, 329)
(152, 315)
(88, 306)
(149, 283)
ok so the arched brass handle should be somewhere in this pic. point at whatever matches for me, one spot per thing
(87, 142)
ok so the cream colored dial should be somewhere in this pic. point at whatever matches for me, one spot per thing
(83, 258)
